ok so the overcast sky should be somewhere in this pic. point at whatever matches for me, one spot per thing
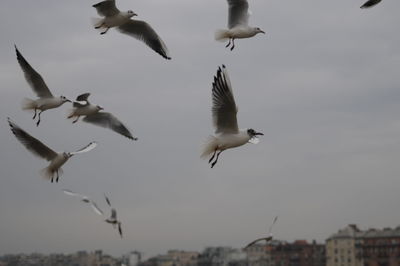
(323, 86)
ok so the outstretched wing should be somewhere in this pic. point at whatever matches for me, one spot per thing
(70, 193)
(96, 208)
(370, 3)
(33, 78)
(238, 13)
(106, 8)
(108, 120)
(83, 97)
(224, 108)
(270, 227)
(107, 200)
(87, 148)
(120, 229)
(31, 143)
(257, 240)
(142, 31)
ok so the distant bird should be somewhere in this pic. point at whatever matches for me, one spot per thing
(268, 238)
(113, 218)
(224, 112)
(138, 29)
(370, 3)
(238, 24)
(93, 115)
(39, 149)
(84, 199)
(46, 99)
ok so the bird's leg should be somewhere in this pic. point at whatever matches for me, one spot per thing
(216, 159)
(76, 120)
(57, 176)
(212, 157)
(233, 44)
(38, 122)
(229, 43)
(104, 32)
(98, 27)
(34, 116)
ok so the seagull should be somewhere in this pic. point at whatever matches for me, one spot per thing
(238, 26)
(113, 218)
(268, 238)
(46, 99)
(370, 3)
(224, 112)
(82, 107)
(84, 199)
(39, 149)
(138, 29)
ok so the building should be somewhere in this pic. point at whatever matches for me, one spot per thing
(341, 247)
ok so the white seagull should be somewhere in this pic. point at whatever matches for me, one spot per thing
(224, 112)
(82, 107)
(84, 199)
(39, 149)
(268, 238)
(46, 99)
(138, 29)
(238, 24)
(113, 218)
(370, 3)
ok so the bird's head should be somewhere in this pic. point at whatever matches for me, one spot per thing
(64, 99)
(67, 155)
(258, 30)
(252, 133)
(131, 13)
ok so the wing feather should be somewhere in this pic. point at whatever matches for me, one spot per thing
(370, 3)
(142, 31)
(33, 78)
(108, 120)
(238, 13)
(32, 144)
(224, 108)
(106, 8)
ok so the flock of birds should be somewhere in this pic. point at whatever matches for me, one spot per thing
(224, 109)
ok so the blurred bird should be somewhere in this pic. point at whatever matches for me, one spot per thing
(82, 107)
(238, 24)
(224, 112)
(370, 3)
(113, 218)
(84, 199)
(138, 29)
(268, 238)
(46, 99)
(39, 149)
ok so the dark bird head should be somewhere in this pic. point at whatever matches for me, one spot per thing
(131, 13)
(252, 133)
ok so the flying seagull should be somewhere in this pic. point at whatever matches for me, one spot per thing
(46, 99)
(113, 218)
(93, 115)
(370, 3)
(268, 238)
(84, 199)
(39, 149)
(138, 29)
(238, 24)
(224, 112)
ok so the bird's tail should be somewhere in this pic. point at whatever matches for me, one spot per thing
(97, 22)
(48, 173)
(209, 147)
(221, 35)
(28, 104)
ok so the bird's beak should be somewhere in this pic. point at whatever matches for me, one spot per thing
(259, 134)
(134, 14)
(69, 101)
(262, 31)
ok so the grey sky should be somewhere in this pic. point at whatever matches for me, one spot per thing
(322, 85)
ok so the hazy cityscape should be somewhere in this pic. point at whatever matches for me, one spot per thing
(350, 246)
